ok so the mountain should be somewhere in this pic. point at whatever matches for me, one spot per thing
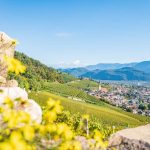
(143, 66)
(75, 71)
(107, 66)
(37, 73)
(126, 73)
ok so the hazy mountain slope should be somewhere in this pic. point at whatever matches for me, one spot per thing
(126, 73)
(75, 71)
(107, 66)
(143, 66)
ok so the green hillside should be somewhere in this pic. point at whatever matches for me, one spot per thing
(103, 114)
(37, 73)
(83, 84)
(70, 92)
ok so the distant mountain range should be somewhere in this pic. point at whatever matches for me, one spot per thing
(107, 66)
(115, 71)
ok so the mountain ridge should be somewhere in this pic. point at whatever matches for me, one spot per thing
(125, 74)
(105, 66)
(114, 71)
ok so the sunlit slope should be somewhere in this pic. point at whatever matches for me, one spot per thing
(105, 114)
(70, 92)
(83, 84)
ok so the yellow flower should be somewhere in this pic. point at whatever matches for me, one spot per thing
(61, 128)
(85, 117)
(65, 146)
(68, 134)
(68, 145)
(42, 130)
(14, 42)
(28, 132)
(9, 102)
(50, 103)
(99, 139)
(51, 128)
(54, 105)
(7, 114)
(50, 116)
(15, 136)
(6, 146)
(14, 65)
(97, 135)
(58, 107)
(64, 131)
(77, 145)
(18, 143)
(23, 117)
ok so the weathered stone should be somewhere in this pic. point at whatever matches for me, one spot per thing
(85, 143)
(7, 48)
(3, 68)
(13, 93)
(131, 139)
(31, 107)
(2, 80)
(34, 110)
(11, 83)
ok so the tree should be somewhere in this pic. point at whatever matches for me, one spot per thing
(142, 106)
(129, 110)
(148, 106)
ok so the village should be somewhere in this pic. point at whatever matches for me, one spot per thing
(131, 98)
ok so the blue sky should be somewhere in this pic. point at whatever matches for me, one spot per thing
(79, 32)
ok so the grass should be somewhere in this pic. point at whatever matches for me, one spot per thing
(83, 84)
(104, 114)
(70, 92)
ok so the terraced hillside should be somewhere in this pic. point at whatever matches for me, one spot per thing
(70, 92)
(104, 113)
(83, 84)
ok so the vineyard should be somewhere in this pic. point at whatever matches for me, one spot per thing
(106, 115)
(83, 84)
(70, 92)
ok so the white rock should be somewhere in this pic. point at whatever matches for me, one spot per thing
(34, 110)
(12, 93)
(32, 107)
(6, 45)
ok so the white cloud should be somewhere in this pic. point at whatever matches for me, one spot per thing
(75, 63)
(63, 34)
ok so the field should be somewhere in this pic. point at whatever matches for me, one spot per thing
(104, 114)
(83, 84)
(70, 92)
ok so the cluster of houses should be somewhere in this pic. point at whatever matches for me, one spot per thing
(133, 98)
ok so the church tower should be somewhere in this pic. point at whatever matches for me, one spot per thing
(99, 86)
